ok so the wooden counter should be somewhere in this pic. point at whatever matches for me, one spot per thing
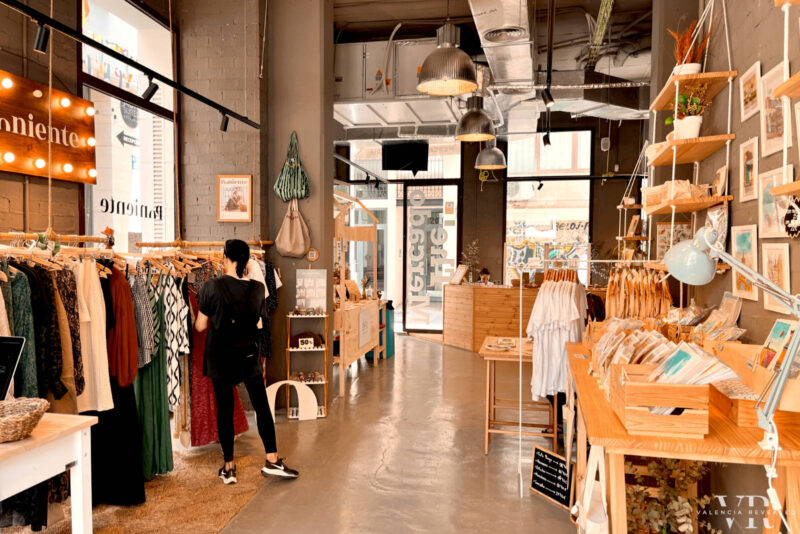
(473, 312)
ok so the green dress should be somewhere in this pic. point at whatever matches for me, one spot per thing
(22, 311)
(151, 398)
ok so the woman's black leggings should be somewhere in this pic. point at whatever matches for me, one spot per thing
(223, 391)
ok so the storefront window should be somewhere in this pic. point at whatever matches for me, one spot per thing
(124, 28)
(569, 154)
(135, 190)
(546, 220)
(444, 160)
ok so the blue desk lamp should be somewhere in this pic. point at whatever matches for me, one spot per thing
(693, 262)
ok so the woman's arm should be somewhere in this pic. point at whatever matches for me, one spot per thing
(202, 322)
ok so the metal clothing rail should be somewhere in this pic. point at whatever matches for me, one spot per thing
(43, 20)
(180, 243)
(52, 236)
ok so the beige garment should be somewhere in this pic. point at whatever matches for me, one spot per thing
(68, 403)
(96, 395)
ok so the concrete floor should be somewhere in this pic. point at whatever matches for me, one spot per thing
(401, 452)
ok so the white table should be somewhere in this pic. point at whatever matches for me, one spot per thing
(59, 443)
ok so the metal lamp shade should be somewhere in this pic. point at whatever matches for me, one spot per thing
(447, 71)
(490, 158)
(475, 125)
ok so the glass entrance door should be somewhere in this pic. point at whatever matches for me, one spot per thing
(430, 252)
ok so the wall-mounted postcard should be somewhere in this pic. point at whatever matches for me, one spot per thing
(773, 348)
(749, 83)
(682, 232)
(744, 247)
(748, 170)
(234, 198)
(775, 266)
(775, 115)
(311, 290)
(720, 181)
(770, 215)
(633, 227)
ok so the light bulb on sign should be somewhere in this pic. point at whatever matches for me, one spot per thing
(7, 83)
(40, 163)
(65, 102)
(91, 141)
(91, 111)
(68, 167)
(37, 93)
(93, 173)
(9, 157)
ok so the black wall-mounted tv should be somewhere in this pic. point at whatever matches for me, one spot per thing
(405, 156)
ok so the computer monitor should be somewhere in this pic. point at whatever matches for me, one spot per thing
(10, 354)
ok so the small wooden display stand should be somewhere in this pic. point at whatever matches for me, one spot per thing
(725, 442)
(357, 321)
(323, 406)
(491, 357)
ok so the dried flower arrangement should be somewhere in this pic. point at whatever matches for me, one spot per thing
(670, 510)
(684, 49)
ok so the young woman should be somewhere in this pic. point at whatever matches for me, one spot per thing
(230, 307)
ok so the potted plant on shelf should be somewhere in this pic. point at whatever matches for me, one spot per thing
(688, 54)
(689, 118)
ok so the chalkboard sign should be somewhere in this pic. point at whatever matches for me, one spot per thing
(551, 477)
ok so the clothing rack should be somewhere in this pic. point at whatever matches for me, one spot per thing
(180, 243)
(50, 235)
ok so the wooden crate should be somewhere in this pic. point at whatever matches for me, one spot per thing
(632, 394)
(743, 412)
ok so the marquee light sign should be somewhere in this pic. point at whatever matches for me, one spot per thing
(24, 131)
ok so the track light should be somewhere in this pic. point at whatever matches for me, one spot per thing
(223, 126)
(541, 185)
(547, 97)
(546, 139)
(152, 87)
(42, 38)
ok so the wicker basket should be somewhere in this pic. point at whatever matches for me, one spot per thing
(19, 417)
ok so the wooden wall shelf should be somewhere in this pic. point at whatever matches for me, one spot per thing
(658, 266)
(792, 188)
(790, 88)
(780, 3)
(686, 205)
(629, 207)
(690, 150)
(631, 238)
(716, 82)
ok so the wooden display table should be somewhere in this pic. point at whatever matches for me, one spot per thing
(472, 312)
(725, 443)
(358, 324)
(491, 357)
(59, 443)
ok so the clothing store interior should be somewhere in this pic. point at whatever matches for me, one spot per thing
(389, 266)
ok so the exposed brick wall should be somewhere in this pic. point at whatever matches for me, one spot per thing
(220, 52)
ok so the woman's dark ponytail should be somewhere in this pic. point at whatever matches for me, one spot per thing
(238, 252)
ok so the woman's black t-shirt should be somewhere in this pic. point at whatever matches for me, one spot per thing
(214, 302)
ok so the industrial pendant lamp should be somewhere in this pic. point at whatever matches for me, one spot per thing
(448, 70)
(490, 158)
(475, 125)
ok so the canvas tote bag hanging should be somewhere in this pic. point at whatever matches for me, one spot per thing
(293, 180)
(591, 510)
(293, 239)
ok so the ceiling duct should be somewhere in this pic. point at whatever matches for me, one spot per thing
(504, 30)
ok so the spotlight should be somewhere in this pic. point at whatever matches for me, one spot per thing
(42, 38)
(40, 163)
(546, 139)
(377, 184)
(68, 167)
(92, 173)
(37, 93)
(91, 141)
(548, 98)
(9, 157)
(7, 83)
(90, 111)
(541, 185)
(65, 102)
(152, 87)
(223, 126)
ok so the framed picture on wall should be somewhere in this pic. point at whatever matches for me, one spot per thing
(775, 266)
(720, 181)
(748, 170)
(234, 197)
(744, 247)
(770, 215)
(775, 118)
(749, 83)
(682, 232)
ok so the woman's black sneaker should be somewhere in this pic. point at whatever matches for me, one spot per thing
(278, 469)
(227, 476)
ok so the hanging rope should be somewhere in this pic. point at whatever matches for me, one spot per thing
(50, 130)
(174, 133)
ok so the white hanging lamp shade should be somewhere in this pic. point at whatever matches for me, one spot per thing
(490, 158)
(448, 70)
(475, 125)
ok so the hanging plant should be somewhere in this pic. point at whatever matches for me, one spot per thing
(684, 49)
